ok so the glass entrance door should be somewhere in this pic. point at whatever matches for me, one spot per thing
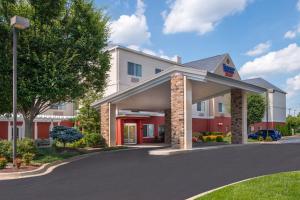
(130, 133)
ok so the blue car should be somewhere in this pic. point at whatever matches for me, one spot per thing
(274, 134)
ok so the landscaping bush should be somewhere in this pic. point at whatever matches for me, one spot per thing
(216, 133)
(27, 158)
(194, 139)
(268, 139)
(65, 134)
(284, 130)
(209, 139)
(3, 162)
(219, 139)
(94, 140)
(5, 149)
(260, 138)
(26, 145)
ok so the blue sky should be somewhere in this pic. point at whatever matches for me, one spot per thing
(261, 36)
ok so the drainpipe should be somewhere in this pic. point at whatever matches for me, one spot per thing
(267, 111)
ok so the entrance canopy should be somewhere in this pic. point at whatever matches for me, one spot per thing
(173, 92)
(154, 94)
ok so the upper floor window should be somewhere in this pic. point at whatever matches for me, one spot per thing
(220, 107)
(134, 69)
(201, 106)
(157, 70)
(58, 106)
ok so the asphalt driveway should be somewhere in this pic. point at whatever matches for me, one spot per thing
(134, 174)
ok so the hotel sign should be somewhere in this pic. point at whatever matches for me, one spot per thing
(229, 71)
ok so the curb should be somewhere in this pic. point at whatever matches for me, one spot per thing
(169, 152)
(49, 167)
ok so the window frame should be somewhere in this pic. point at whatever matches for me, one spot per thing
(148, 125)
(202, 105)
(136, 69)
(222, 107)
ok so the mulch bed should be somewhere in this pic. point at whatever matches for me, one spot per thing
(9, 168)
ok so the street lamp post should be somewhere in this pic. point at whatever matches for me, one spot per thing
(17, 23)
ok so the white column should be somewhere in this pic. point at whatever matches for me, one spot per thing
(9, 130)
(112, 124)
(187, 114)
(51, 125)
(244, 118)
(35, 131)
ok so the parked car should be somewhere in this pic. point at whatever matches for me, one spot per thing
(274, 134)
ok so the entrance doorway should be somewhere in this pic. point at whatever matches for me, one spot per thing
(130, 132)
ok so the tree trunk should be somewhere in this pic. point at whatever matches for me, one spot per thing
(28, 127)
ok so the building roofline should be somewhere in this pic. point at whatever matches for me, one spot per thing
(143, 54)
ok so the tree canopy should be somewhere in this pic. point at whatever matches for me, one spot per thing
(88, 117)
(256, 108)
(61, 55)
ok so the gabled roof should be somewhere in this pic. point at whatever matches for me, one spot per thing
(210, 64)
(263, 83)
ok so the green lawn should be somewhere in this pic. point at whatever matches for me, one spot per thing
(282, 186)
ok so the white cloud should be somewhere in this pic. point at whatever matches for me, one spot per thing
(199, 16)
(290, 34)
(259, 49)
(131, 30)
(293, 85)
(160, 53)
(281, 61)
(298, 5)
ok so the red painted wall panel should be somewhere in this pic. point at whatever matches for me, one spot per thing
(263, 125)
(43, 130)
(67, 123)
(3, 130)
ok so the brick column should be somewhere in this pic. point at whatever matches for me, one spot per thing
(238, 116)
(177, 110)
(108, 125)
(168, 126)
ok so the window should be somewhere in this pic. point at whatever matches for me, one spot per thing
(134, 69)
(221, 107)
(148, 130)
(157, 70)
(201, 106)
(58, 106)
(161, 130)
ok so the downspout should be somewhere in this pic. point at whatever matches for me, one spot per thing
(267, 111)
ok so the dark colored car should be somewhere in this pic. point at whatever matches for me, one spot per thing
(274, 134)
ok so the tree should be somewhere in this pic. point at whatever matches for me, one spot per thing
(65, 134)
(88, 117)
(256, 108)
(60, 57)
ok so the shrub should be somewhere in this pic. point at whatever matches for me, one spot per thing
(284, 130)
(216, 133)
(260, 138)
(3, 162)
(196, 134)
(208, 139)
(26, 145)
(194, 139)
(94, 140)
(5, 149)
(219, 139)
(65, 134)
(269, 139)
(27, 158)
